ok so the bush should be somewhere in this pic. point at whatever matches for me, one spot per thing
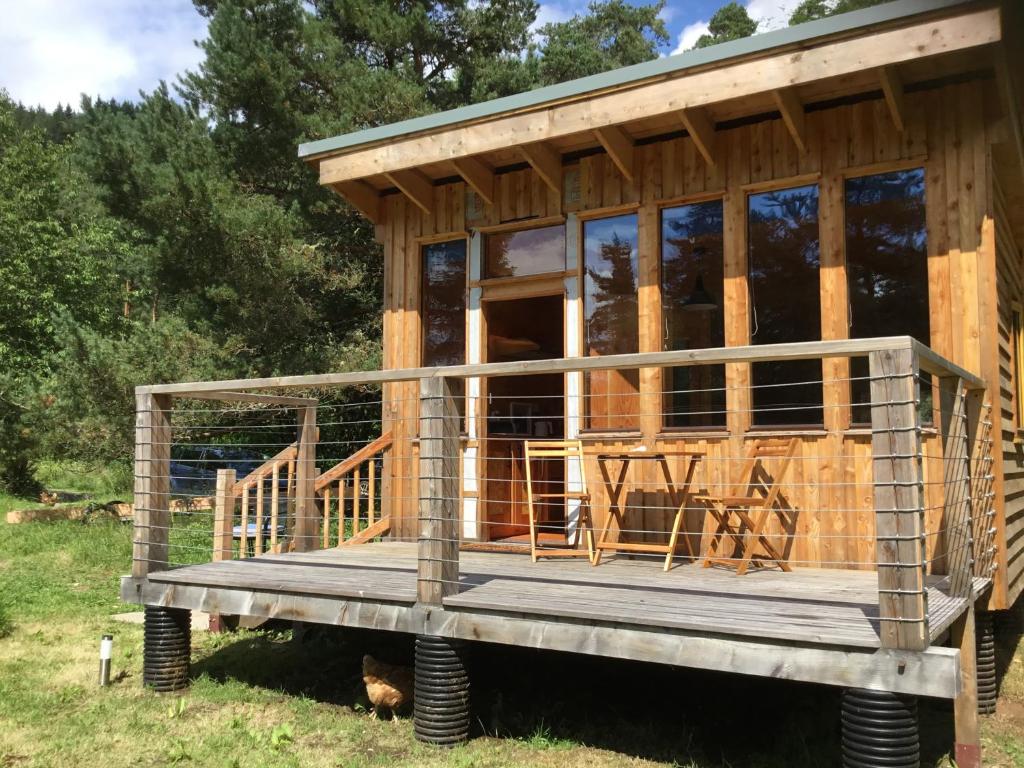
(17, 441)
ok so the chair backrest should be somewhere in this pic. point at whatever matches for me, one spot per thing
(555, 449)
(755, 475)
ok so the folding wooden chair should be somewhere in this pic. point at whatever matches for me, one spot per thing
(548, 450)
(751, 503)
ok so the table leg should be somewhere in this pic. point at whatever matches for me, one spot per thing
(614, 510)
(679, 501)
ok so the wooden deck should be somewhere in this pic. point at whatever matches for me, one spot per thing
(814, 625)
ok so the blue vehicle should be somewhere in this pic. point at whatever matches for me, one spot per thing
(194, 468)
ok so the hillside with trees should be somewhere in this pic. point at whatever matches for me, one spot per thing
(177, 237)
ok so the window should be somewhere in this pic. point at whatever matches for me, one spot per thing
(692, 286)
(783, 254)
(526, 252)
(886, 269)
(610, 319)
(443, 312)
(1017, 351)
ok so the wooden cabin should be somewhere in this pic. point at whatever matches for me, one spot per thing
(808, 238)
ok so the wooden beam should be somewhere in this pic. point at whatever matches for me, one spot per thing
(438, 547)
(252, 397)
(414, 185)
(926, 37)
(792, 110)
(546, 162)
(307, 521)
(899, 514)
(152, 483)
(478, 175)
(619, 147)
(892, 87)
(360, 196)
(930, 361)
(967, 747)
(698, 124)
(934, 672)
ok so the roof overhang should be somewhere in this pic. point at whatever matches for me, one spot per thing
(886, 48)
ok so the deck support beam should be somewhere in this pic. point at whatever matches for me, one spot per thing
(934, 672)
(965, 706)
(438, 548)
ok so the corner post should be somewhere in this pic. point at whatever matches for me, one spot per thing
(899, 512)
(438, 548)
(307, 521)
(224, 515)
(152, 483)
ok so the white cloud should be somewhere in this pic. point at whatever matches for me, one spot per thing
(54, 50)
(769, 15)
(558, 11)
(689, 36)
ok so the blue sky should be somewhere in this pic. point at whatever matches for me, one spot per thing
(51, 51)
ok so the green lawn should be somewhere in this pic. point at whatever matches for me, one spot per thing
(265, 699)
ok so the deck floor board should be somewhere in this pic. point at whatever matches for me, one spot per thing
(830, 606)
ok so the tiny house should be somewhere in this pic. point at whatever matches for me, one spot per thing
(730, 342)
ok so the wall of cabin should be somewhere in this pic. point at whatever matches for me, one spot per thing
(948, 133)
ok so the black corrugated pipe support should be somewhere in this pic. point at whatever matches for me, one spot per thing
(168, 641)
(880, 730)
(985, 637)
(441, 705)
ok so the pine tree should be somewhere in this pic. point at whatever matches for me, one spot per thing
(730, 22)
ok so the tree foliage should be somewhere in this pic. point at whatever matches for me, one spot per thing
(730, 22)
(811, 10)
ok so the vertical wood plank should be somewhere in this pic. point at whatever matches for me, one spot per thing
(899, 515)
(438, 547)
(259, 514)
(243, 525)
(275, 503)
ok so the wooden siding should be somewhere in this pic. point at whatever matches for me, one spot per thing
(946, 133)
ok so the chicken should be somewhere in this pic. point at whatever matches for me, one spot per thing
(387, 685)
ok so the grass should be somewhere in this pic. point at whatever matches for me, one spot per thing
(268, 698)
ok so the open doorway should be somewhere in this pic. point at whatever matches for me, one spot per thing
(520, 408)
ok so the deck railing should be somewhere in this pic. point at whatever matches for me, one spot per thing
(907, 493)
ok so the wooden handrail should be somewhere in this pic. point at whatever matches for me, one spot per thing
(382, 443)
(266, 468)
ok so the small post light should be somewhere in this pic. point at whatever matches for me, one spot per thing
(106, 651)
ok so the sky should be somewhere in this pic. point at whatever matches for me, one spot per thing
(52, 51)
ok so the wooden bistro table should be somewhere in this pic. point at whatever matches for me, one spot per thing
(678, 492)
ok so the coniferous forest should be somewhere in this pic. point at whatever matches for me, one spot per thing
(177, 236)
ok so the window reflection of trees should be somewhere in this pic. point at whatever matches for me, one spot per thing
(611, 318)
(444, 303)
(886, 267)
(784, 260)
(691, 267)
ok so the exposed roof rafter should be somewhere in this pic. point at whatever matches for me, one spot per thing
(546, 162)
(619, 146)
(702, 130)
(478, 175)
(414, 185)
(892, 87)
(792, 110)
(360, 196)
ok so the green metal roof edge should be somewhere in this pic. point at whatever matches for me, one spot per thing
(844, 22)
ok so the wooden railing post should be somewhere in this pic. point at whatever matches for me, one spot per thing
(898, 499)
(152, 483)
(438, 552)
(224, 515)
(956, 482)
(307, 521)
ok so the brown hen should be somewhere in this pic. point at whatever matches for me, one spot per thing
(387, 685)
